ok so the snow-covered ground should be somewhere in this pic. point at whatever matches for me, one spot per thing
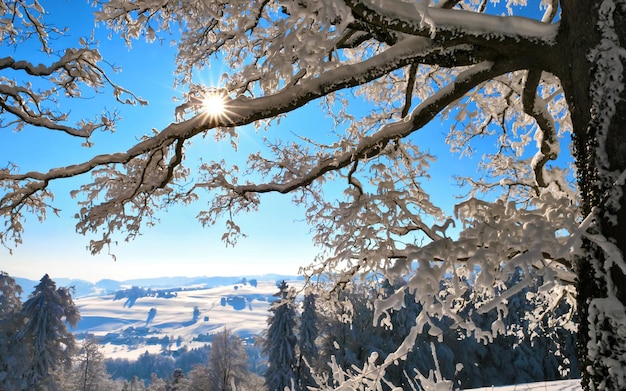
(241, 308)
(563, 385)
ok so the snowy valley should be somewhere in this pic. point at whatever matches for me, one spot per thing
(133, 320)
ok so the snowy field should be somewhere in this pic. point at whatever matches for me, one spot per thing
(241, 308)
(563, 385)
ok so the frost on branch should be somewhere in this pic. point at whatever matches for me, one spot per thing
(116, 201)
(286, 39)
(34, 94)
(37, 94)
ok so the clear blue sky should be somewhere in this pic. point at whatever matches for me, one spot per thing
(278, 239)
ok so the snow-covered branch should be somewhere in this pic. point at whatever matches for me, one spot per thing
(240, 112)
(246, 111)
(547, 139)
(30, 94)
(371, 146)
(444, 24)
(502, 86)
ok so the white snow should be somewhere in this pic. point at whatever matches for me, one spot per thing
(467, 21)
(562, 385)
(102, 315)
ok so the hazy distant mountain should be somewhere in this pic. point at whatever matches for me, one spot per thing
(106, 286)
(173, 282)
(81, 287)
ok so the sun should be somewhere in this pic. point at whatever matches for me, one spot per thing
(214, 104)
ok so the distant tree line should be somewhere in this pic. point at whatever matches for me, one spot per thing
(135, 293)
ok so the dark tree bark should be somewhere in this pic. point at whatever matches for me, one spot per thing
(599, 121)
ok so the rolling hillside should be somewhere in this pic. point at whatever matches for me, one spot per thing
(128, 324)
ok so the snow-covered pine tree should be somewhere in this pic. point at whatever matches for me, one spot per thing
(307, 343)
(50, 344)
(10, 296)
(12, 355)
(280, 342)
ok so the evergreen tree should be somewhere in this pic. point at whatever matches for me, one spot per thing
(10, 296)
(45, 333)
(308, 352)
(12, 354)
(280, 342)
(196, 314)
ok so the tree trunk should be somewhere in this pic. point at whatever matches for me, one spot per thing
(593, 39)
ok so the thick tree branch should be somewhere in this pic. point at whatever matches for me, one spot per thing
(523, 36)
(410, 85)
(537, 108)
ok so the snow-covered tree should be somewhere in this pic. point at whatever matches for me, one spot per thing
(522, 75)
(279, 344)
(199, 377)
(134, 385)
(46, 314)
(10, 296)
(157, 384)
(196, 314)
(12, 354)
(307, 342)
(89, 371)
(227, 369)
(179, 382)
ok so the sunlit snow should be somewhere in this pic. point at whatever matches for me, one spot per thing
(219, 307)
(562, 385)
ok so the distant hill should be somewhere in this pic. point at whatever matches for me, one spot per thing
(81, 287)
(137, 320)
(131, 317)
(106, 286)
